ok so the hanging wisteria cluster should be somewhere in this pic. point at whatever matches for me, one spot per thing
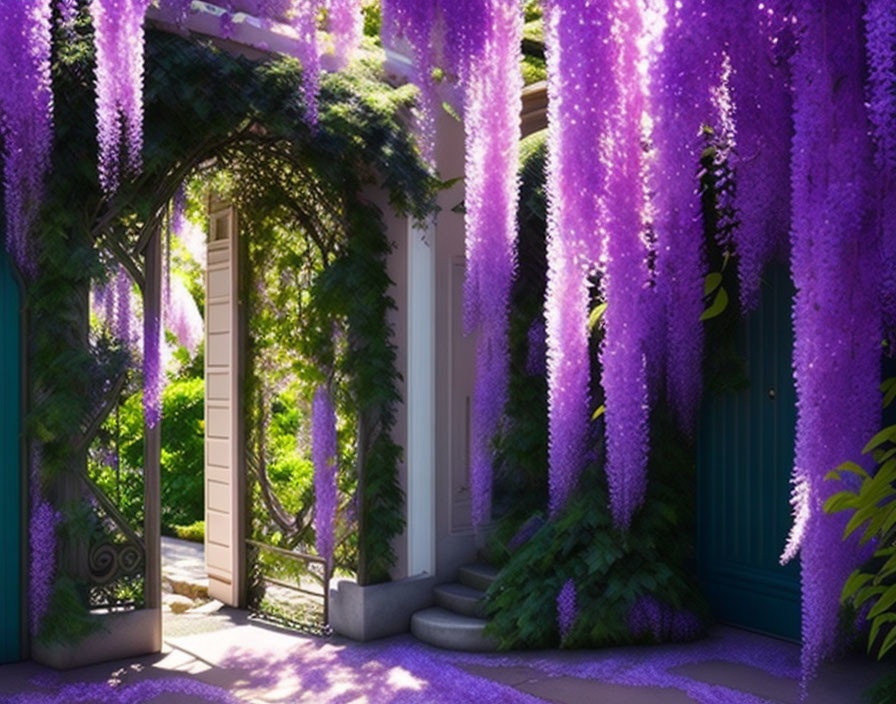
(624, 272)
(492, 106)
(880, 22)
(42, 524)
(478, 42)
(760, 157)
(26, 117)
(118, 27)
(837, 311)
(324, 452)
(683, 76)
(115, 305)
(580, 52)
(566, 608)
(648, 617)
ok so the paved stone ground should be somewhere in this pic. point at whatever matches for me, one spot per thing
(241, 660)
(186, 608)
(216, 654)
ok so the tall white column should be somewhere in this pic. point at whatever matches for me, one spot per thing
(421, 398)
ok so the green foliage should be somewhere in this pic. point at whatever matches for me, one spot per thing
(611, 570)
(195, 532)
(369, 363)
(373, 19)
(183, 450)
(534, 69)
(532, 10)
(874, 518)
(883, 691)
(66, 620)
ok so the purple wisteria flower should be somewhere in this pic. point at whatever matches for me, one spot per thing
(305, 16)
(325, 453)
(182, 316)
(648, 616)
(760, 157)
(567, 611)
(346, 25)
(43, 521)
(414, 21)
(479, 43)
(153, 370)
(880, 23)
(493, 100)
(68, 11)
(624, 273)
(175, 11)
(118, 25)
(525, 533)
(26, 118)
(580, 48)
(835, 265)
(682, 78)
(125, 327)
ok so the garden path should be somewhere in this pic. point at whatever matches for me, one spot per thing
(247, 661)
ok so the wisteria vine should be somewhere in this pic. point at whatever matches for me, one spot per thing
(42, 524)
(566, 608)
(118, 25)
(837, 310)
(683, 75)
(760, 90)
(492, 106)
(579, 50)
(481, 47)
(26, 118)
(880, 22)
(324, 451)
(624, 273)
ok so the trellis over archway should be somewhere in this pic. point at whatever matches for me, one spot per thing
(201, 105)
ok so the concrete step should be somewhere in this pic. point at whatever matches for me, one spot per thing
(477, 576)
(445, 629)
(461, 599)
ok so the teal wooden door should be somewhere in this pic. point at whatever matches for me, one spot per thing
(745, 457)
(10, 469)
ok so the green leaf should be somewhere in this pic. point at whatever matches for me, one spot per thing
(885, 602)
(446, 106)
(596, 315)
(712, 282)
(841, 501)
(855, 582)
(599, 412)
(885, 435)
(852, 467)
(866, 593)
(859, 518)
(875, 627)
(718, 306)
(888, 643)
(880, 456)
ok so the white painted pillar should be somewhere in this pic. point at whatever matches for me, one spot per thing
(421, 399)
(224, 462)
